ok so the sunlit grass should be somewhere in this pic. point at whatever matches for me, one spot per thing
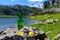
(6, 16)
(44, 17)
(54, 28)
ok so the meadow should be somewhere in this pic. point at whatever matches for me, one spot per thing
(53, 28)
(45, 16)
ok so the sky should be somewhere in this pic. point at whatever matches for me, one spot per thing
(22, 2)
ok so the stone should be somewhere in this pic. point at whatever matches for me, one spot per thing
(49, 21)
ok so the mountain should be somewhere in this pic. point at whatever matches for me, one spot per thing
(13, 10)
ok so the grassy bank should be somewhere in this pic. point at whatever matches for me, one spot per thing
(6, 16)
(45, 17)
(54, 28)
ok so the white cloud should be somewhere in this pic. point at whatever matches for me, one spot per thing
(12, 0)
(35, 5)
(35, 0)
(39, 6)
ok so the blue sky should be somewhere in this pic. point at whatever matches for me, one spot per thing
(21, 2)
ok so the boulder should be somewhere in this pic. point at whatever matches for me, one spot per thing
(49, 21)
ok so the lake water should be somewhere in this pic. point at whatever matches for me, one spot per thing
(12, 22)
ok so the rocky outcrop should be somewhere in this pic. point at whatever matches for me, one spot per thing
(54, 10)
(11, 35)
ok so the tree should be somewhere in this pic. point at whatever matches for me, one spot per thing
(6, 12)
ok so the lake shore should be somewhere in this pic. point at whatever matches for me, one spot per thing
(7, 16)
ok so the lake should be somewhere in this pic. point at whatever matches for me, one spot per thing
(12, 22)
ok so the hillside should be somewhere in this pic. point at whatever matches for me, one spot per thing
(13, 10)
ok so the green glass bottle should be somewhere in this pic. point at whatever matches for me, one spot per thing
(20, 20)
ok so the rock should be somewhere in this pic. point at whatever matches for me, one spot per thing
(41, 36)
(47, 39)
(30, 38)
(37, 32)
(8, 30)
(30, 29)
(6, 38)
(1, 32)
(41, 32)
(49, 16)
(49, 21)
(57, 36)
(54, 10)
(56, 20)
(11, 38)
(11, 35)
(17, 37)
(48, 32)
(26, 30)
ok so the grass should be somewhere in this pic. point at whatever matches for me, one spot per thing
(45, 17)
(6, 16)
(54, 28)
